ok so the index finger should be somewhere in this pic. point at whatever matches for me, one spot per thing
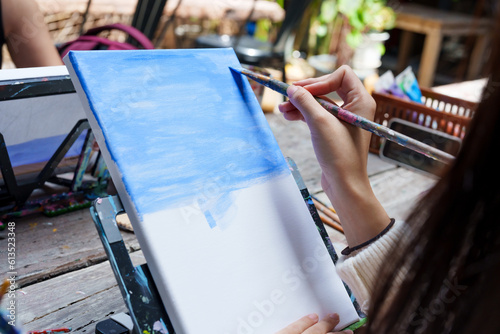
(344, 81)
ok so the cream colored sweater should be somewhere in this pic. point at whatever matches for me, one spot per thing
(359, 269)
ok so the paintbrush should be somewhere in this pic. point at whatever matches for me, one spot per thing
(329, 221)
(356, 120)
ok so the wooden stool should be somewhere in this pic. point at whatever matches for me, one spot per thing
(436, 24)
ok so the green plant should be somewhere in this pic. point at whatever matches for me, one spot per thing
(347, 20)
(364, 16)
(322, 25)
(265, 26)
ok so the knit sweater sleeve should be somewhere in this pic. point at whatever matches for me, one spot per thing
(359, 269)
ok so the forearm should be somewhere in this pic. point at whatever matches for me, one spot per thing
(361, 214)
(27, 35)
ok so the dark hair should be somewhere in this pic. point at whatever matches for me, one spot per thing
(452, 255)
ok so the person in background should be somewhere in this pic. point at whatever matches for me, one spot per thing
(23, 29)
(438, 271)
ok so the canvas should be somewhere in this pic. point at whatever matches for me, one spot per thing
(35, 124)
(225, 232)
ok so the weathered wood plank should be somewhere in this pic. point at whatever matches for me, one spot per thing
(400, 189)
(78, 299)
(375, 165)
(82, 317)
(51, 246)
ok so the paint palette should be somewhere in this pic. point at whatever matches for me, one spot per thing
(228, 239)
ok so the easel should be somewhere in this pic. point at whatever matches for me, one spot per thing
(136, 283)
(15, 190)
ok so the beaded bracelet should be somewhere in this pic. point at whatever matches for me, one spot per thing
(348, 250)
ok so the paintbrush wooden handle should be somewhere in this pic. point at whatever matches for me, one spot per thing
(330, 222)
(328, 217)
(326, 210)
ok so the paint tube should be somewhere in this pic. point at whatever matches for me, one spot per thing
(387, 84)
(407, 82)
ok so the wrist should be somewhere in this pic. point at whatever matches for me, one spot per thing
(360, 213)
(348, 250)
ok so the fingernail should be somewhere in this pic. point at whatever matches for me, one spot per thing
(334, 316)
(291, 90)
(313, 316)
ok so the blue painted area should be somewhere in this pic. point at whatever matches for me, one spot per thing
(181, 128)
(41, 150)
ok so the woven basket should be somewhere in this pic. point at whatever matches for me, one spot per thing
(439, 112)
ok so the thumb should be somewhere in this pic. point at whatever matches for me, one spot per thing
(305, 103)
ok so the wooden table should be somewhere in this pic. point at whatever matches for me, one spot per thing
(64, 279)
(436, 24)
(467, 90)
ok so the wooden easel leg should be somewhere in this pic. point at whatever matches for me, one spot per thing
(405, 44)
(430, 56)
(477, 57)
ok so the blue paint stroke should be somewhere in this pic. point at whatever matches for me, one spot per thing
(20, 91)
(180, 128)
(208, 216)
(218, 210)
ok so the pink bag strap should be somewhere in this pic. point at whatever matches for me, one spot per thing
(112, 45)
(131, 31)
(90, 42)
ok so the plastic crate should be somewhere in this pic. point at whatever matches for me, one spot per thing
(439, 112)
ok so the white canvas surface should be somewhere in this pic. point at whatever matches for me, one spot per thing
(265, 268)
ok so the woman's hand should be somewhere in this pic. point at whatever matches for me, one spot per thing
(311, 325)
(341, 149)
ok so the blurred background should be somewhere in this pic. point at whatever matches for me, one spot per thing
(302, 38)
